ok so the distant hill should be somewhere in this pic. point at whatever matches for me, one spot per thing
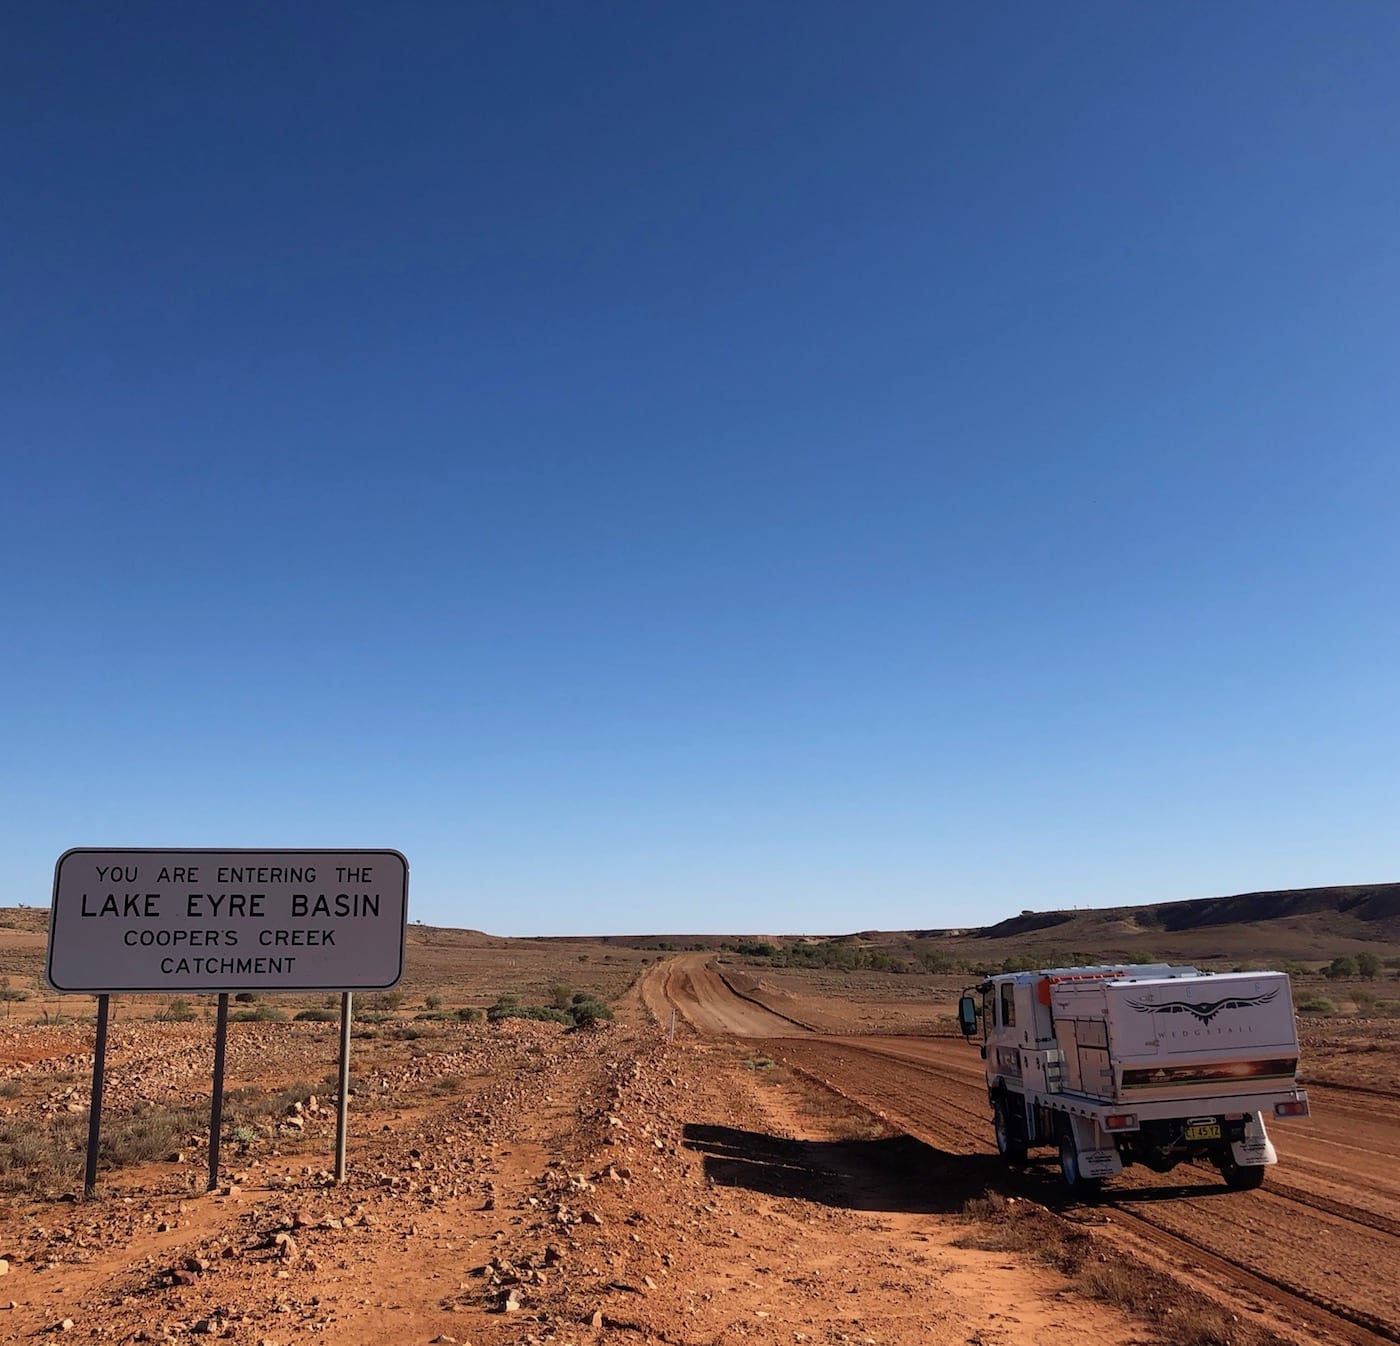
(1376, 906)
(1298, 924)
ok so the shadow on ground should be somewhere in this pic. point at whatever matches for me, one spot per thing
(894, 1174)
(1039, 1180)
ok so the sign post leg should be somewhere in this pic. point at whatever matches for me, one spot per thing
(343, 1090)
(99, 1069)
(216, 1106)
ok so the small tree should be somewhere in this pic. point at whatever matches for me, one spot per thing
(585, 1011)
(1368, 965)
(1343, 965)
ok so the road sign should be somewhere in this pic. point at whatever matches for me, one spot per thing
(227, 920)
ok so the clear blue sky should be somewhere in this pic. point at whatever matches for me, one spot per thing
(769, 468)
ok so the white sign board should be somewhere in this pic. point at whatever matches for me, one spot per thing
(235, 920)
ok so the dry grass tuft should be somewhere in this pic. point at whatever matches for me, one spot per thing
(38, 1160)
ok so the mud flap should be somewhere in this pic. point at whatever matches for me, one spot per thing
(1256, 1148)
(1098, 1155)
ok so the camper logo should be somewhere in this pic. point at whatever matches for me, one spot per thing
(1208, 1009)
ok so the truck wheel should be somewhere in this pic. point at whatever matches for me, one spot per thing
(1239, 1177)
(1075, 1182)
(1009, 1143)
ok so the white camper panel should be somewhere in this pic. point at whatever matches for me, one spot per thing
(1237, 1015)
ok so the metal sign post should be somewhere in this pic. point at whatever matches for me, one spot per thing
(216, 1105)
(99, 1069)
(342, 1107)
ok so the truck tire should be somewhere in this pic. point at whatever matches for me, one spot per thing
(1010, 1143)
(1076, 1184)
(1239, 1177)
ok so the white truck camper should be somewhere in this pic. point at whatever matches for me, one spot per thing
(1138, 1064)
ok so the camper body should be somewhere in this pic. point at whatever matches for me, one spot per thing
(1138, 1063)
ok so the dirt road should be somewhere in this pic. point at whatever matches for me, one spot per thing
(1317, 1246)
(517, 1184)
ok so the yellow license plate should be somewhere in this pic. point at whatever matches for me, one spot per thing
(1203, 1131)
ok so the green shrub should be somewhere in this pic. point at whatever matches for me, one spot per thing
(589, 1011)
(433, 1002)
(1341, 966)
(316, 1016)
(1311, 1003)
(544, 1013)
(471, 1014)
(260, 1014)
(751, 948)
(1369, 966)
(177, 1011)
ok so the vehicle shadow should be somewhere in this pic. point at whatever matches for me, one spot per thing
(897, 1173)
(1039, 1180)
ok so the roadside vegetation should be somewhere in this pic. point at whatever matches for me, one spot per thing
(1348, 984)
(577, 1009)
(43, 1160)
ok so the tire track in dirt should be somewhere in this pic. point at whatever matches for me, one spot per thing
(1183, 1255)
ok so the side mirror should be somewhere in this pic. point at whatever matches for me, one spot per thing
(967, 1016)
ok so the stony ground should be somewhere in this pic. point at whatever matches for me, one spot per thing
(521, 1183)
(600, 1186)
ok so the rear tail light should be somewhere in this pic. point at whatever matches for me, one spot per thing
(1120, 1121)
(1291, 1107)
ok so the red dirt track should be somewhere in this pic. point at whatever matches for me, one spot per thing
(1316, 1250)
